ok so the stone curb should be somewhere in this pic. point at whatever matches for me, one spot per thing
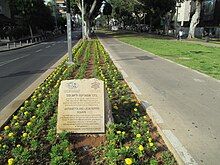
(11, 108)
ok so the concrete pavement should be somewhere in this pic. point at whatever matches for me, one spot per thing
(184, 104)
(20, 68)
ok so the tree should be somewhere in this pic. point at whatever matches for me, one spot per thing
(107, 10)
(122, 10)
(91, 10)
(195, 19)
(158, 9)
(33, 14)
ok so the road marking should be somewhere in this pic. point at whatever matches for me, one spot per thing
(124, 74)
(181, 150)
(53, 44)
(9, 61)
(38, 50)
(134, 88)
(48, 47)
(198, 80)
(151, 111)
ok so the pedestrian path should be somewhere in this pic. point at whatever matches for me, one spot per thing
(182, 102)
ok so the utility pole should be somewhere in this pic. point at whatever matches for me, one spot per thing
(69, 36)
(83, 29)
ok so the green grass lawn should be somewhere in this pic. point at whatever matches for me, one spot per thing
(202, 58)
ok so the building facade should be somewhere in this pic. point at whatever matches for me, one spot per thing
(209, 17)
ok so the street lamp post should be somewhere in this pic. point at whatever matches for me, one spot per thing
(83, 29)
(69, 36)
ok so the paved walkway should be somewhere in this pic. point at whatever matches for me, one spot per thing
(184, 103)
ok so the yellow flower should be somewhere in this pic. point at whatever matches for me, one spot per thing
(138, 135)
(118, 132)
(127, 147)
(18, 145)
(16, 124)
(38, 105)
(39, 95)
(151, 144)
(134, 121)
(6, 127)
(145, 117)
(141, 148)
(10, 134)
(135, 109)
(25, 135)
(11, 161)
(26, 113)
(26, 102)
(33, 117)
(115, 107)
(149, 139)
(35, 99)
(148, 132)
(29, 123)
(137, 104)
(123, 132)
(128, 161)
(15, 117)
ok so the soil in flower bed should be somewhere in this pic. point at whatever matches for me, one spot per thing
(84, 145)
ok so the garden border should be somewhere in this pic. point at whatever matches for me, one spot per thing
(11, 108)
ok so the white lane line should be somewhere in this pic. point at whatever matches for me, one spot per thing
(38, 50)
(152, 112)
(181, 150)
(198, 80)
(9, 61)
(124, 74)
(134, 88)
(48, 47)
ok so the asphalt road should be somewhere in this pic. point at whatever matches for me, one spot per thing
(19, 68)
(186, 104)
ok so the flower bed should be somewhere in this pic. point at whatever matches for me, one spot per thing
(30, 135)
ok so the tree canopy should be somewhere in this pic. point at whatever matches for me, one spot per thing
(32, 13)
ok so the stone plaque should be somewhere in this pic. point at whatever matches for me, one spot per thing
(81, 106)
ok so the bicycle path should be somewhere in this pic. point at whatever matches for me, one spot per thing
(184, 103)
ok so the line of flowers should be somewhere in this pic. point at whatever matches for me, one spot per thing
(31, 132)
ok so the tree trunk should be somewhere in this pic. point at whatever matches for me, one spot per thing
(31, 31)
(195, 19)
(87, 29)
(167, 23)
(108, 21)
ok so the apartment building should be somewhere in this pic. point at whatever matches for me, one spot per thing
(209, 18)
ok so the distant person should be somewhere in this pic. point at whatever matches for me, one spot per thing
(206, 35)
(180, 34)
